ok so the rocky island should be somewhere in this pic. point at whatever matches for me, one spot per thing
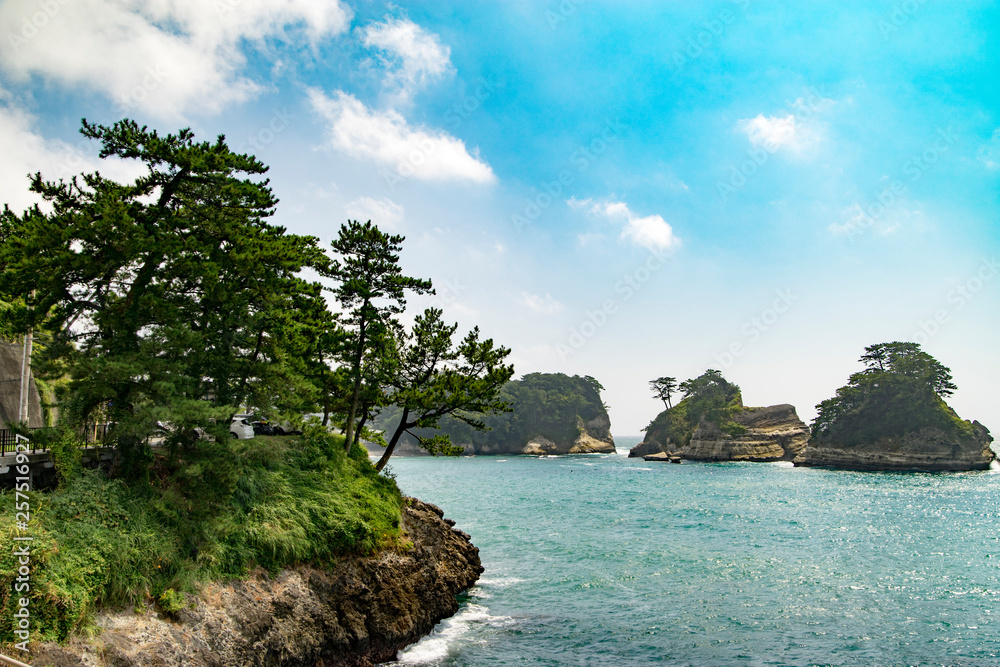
(892, 416)
(711, 423)
(550, 413)
(773, 433)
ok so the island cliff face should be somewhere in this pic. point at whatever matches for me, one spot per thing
(360, 612)
(928, 449)
(773, 433)
(550, 413)
(593, 437)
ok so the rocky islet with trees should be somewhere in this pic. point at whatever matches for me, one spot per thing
(890, 416)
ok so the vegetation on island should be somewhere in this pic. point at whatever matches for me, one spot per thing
(901, 390)
(708, 397)
(163, 307)
(549, 405)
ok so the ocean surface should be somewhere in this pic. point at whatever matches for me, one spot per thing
(605, 560)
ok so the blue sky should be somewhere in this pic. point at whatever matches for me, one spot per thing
(625, 190)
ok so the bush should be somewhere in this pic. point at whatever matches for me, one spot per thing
(213, 514)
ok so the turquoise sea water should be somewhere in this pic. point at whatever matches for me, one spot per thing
(605, 560)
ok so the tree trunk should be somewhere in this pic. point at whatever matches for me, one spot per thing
(356, 392)
(400, 428)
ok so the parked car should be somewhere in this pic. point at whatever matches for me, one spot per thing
(241, 428)
(261, 427)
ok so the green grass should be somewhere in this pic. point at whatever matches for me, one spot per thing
(210, 514)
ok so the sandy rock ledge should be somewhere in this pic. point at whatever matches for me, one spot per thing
(358, 613)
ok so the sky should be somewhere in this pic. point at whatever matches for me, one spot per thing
(625, 190)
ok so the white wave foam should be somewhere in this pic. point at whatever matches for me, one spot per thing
(498, 582)
(436, 645)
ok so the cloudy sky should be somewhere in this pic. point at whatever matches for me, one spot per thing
(618, 189)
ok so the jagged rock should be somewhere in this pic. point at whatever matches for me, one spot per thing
(360, 612)
(651, 446)
(929, 449)
(662, 456)
(773, 433)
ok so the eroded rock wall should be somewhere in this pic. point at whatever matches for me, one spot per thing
(774, 433)
(929, 449)
(361, 612)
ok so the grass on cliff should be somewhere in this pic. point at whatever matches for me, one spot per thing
(210, 514)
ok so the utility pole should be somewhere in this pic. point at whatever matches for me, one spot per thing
(22, 412)
(23, 407)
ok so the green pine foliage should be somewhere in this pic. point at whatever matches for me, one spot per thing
(708, 397)
(901, 390)
(100, 542)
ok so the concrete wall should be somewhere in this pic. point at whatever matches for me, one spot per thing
(10, 388)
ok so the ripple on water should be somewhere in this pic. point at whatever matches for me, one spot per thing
(715, 564)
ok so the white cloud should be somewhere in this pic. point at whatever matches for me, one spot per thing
(166, 57)
(770, 132)
(540, 304)
(989, 153)
(877, 219)
(412, 56)
(383, 212)
(652, 231)
(24, 151)
(384, 137)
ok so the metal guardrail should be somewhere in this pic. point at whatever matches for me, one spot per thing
(11, 661)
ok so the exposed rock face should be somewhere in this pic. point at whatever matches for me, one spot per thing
(773, 433)
(929, 449)
(651, 446)
(550, 413)
(593, 437)
(361, 612)
(10, 388)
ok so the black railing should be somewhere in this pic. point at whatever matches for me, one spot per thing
(8, 441)
(91, 435)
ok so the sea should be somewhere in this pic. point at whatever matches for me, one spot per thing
(605, 560)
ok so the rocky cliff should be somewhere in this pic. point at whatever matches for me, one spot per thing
(593, 437)
(927, 449)
(360, 612)
(550, 413)
(773, 433)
